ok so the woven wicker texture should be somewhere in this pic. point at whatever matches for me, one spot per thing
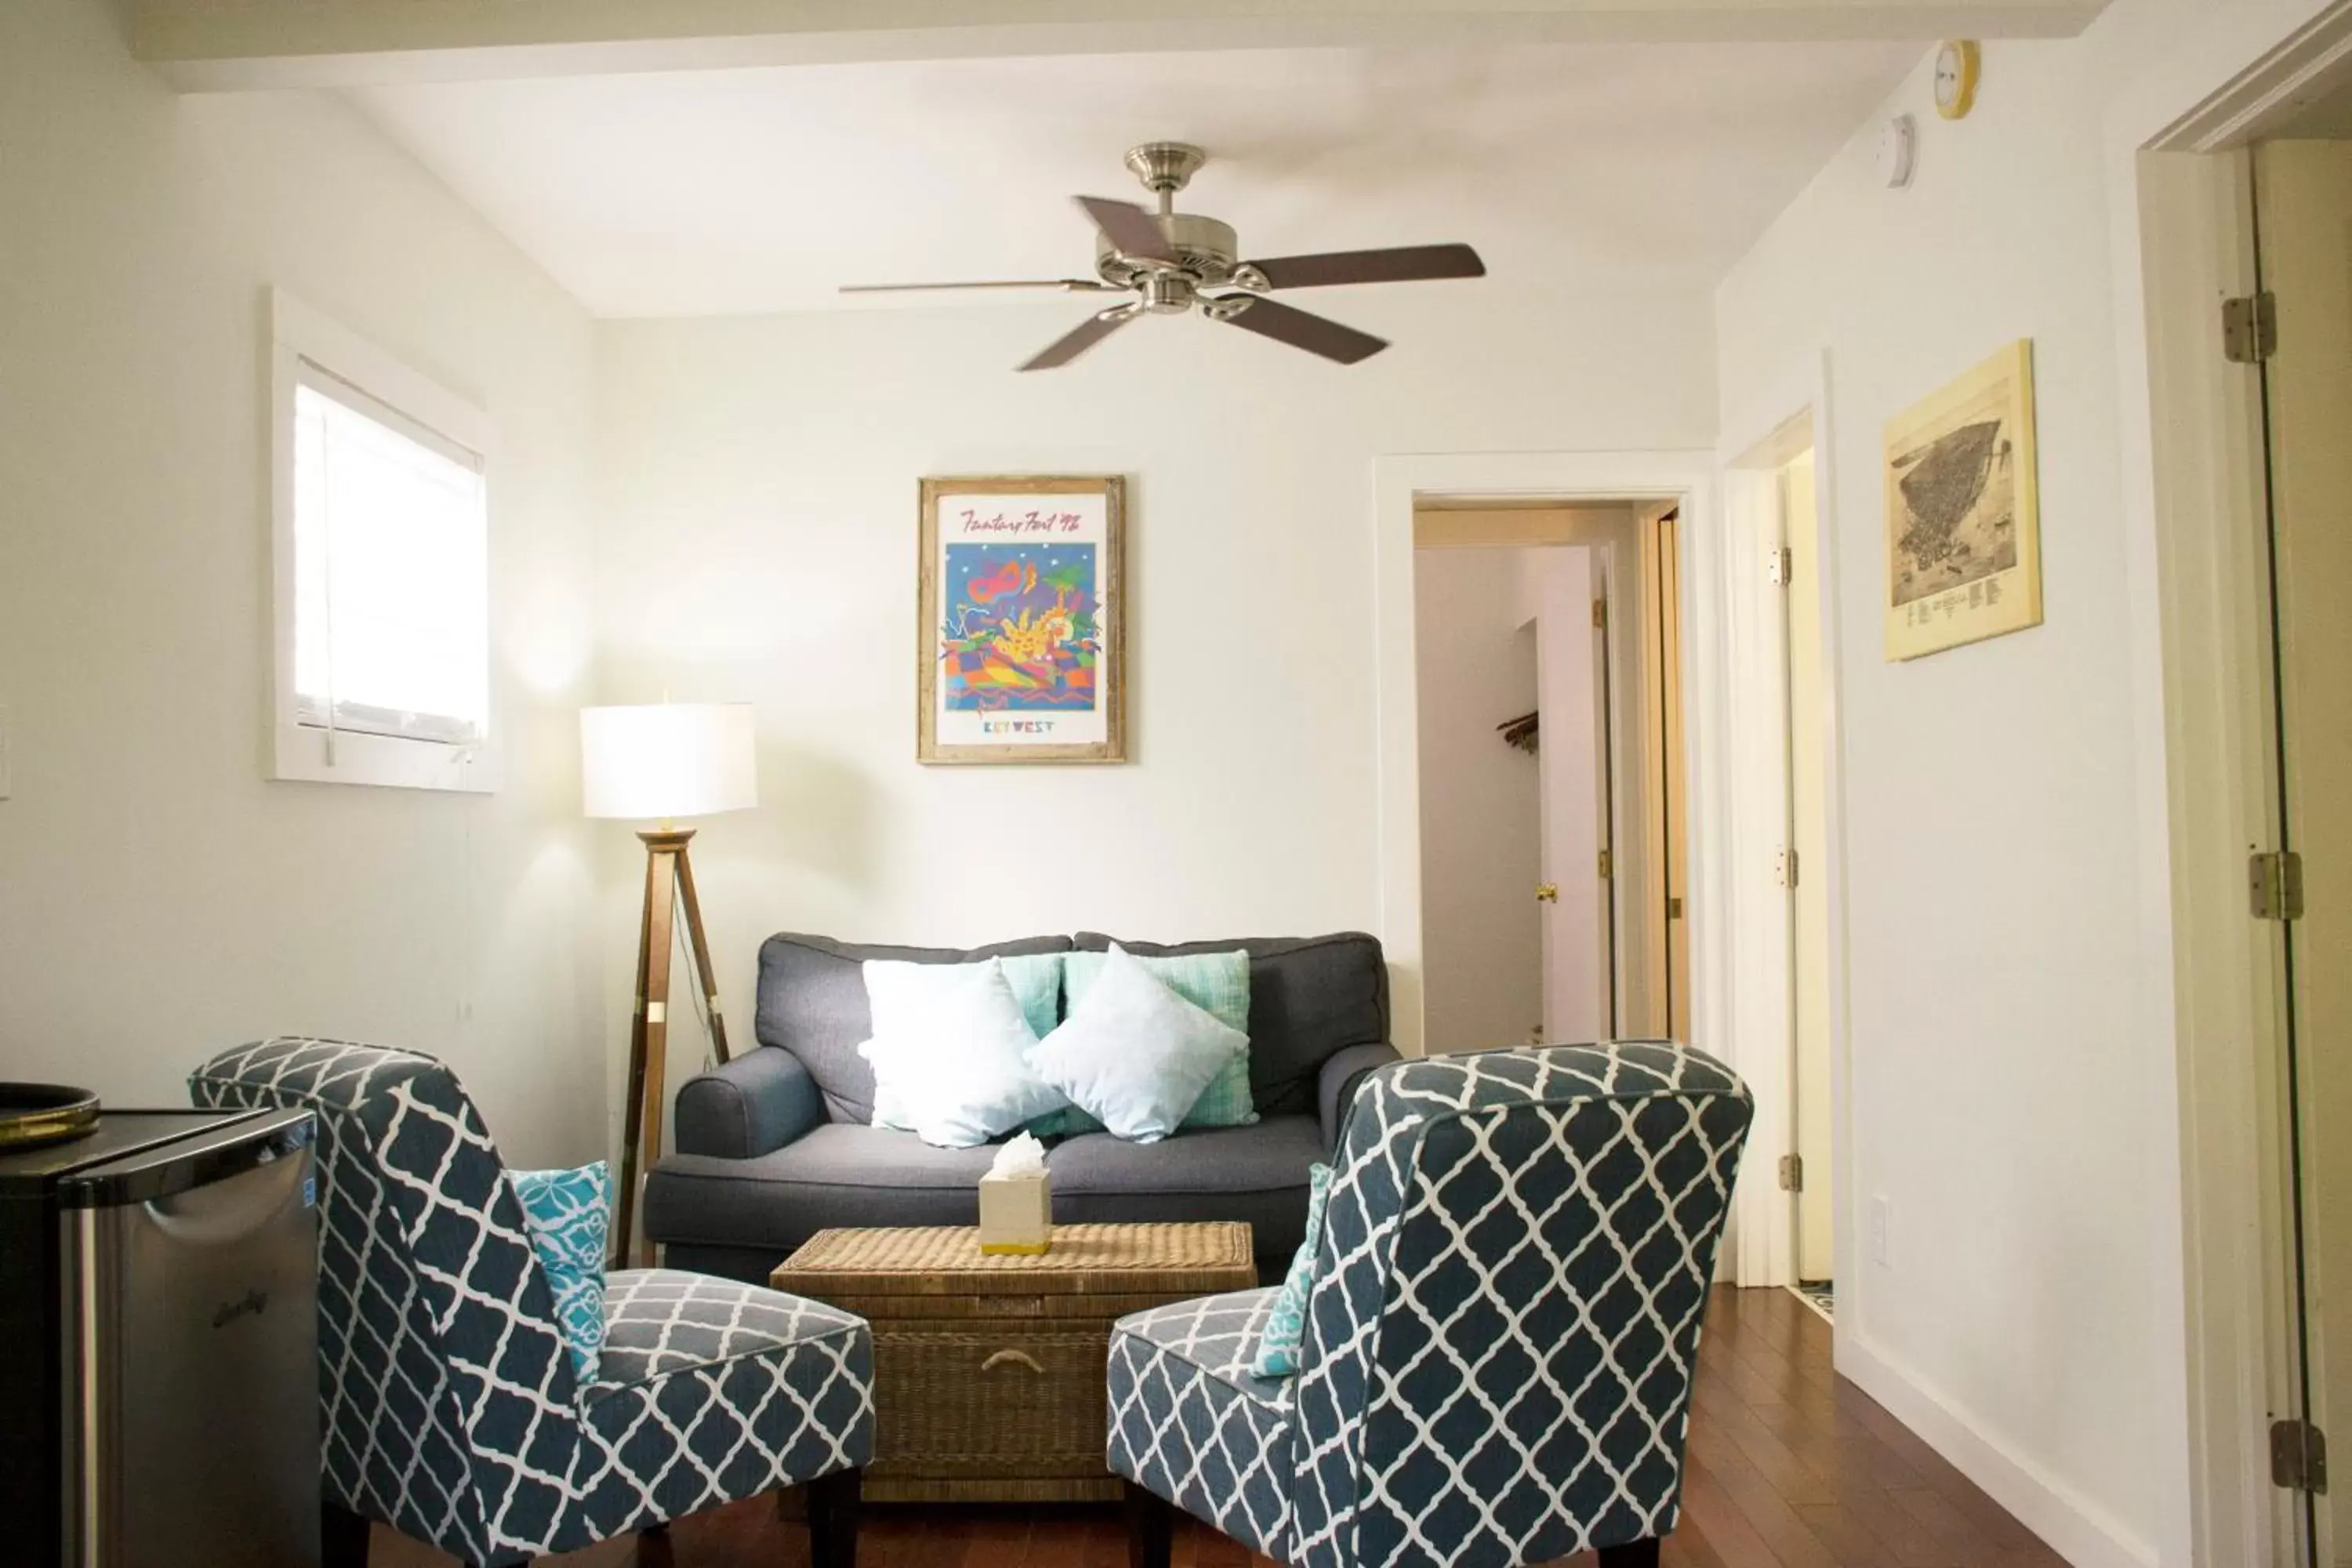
(1085, 1259)
(988, 1371)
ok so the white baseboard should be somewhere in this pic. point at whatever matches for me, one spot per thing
(2082, 1533)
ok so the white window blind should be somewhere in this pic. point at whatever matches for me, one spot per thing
(392, 570)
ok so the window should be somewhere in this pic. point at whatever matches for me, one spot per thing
(383, 567)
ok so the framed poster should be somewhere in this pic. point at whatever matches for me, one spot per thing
(1024, 652)
(1963, 511)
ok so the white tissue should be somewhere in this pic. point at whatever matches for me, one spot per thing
(1021, 1155)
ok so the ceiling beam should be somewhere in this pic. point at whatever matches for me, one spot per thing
(239, 44)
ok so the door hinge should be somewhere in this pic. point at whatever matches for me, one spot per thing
(2298, 1457)
(1601, 612)
(1793, 1172)
(1673, 908)
(1606, 864)
(1779, 566)
(2250, 327)
(2275, 882)
(1784, 868)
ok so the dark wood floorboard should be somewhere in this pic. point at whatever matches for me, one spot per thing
(1789, 1466)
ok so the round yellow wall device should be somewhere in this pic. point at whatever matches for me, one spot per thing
(1958, 63)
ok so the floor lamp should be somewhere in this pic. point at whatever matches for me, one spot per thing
(660, 763)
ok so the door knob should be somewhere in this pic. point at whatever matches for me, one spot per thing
(1548, 892)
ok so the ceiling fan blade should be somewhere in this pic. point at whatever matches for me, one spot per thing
(1131, 230)
(1405, 263)
(1066, 285)
(1305, 329)
(1086, 335)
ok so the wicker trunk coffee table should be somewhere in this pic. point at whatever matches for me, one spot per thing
(988, 1371)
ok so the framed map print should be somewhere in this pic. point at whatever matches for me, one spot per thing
(1022, 655)
(1963, 511)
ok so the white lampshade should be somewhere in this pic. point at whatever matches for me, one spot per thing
(668, 760)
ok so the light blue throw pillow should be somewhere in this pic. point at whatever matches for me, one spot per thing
(569, 1216)
(1134, 1055)
(1218, 982)
(1285, 1326)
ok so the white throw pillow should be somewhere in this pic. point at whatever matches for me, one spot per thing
(950, 1052)
(1134, 1055)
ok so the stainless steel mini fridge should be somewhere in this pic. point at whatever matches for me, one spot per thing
(159, 1342)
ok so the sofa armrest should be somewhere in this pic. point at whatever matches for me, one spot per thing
(753, 1105)
(1335, 1085)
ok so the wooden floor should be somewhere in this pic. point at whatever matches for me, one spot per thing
(1789, 1466)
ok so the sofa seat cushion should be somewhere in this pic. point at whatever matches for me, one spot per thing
(1188, 1422)
(1255, 1174)
(839, 1173)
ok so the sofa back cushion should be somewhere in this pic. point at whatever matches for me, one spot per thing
(1310, 997)
(813, 1004)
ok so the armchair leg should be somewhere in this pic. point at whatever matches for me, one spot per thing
(832, 1519)
(1633, 1555)
(1151, 1528)
(342, 1537)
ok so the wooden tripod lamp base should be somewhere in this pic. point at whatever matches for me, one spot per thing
(659, 762)
(669, 887)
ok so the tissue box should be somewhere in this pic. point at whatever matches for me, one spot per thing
(1016, 1215)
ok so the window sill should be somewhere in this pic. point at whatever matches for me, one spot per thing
(386, 761)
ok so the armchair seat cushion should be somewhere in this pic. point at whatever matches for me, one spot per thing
(1190, 1421)
(711, 1387)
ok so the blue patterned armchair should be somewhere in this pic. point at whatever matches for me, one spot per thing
(1500, 1345)
(450, 1407)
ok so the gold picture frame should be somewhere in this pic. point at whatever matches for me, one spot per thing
(1022, 646)
(1963, 510)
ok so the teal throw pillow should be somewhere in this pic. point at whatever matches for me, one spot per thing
(1218, 983)
(1285, 1326)
(570, 1214)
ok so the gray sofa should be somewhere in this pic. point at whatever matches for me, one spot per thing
(778, 1145)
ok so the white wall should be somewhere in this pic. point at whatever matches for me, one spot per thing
(1481, 850)
(758, 543)
(158, 899)
(2009, 1051)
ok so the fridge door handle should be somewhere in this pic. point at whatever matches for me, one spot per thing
(227, 1211)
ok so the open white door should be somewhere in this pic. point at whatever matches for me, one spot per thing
(1572, 893)
(1809, 908)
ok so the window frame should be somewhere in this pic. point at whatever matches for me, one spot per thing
(306, 752)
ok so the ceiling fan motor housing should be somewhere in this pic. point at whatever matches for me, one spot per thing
(1207, 248)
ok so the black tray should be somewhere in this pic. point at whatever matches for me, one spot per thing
(33, 1115)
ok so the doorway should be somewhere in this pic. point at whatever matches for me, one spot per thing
(1541, 809)
(2246, 227)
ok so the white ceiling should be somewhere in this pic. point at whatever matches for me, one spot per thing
(738, 192)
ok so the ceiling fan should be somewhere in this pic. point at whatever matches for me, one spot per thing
(1172, 261)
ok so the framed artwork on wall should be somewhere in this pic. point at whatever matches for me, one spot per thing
(1963, 511)
(1022, 655)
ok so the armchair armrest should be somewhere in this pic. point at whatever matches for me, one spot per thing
(1335, 1085)
(753, 1105)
